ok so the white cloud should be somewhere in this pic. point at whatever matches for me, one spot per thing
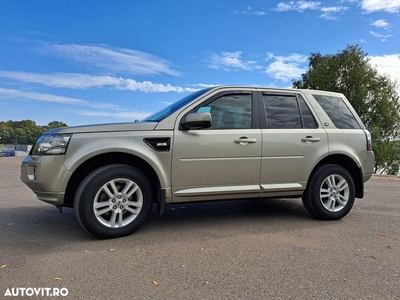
(391, 6)
(85, 81)
(381, 36)
(294, 57)
(328, 16)
(231, 61)
(327, 12)
(118, 60)
(204, 85)
(333, 9)
(380, 24)
(61, 80)
(151, 87)
(282, 6)
(286, 68)
(298, 6)
(387, 64)
(250, 12)
(114, 111)
(17, 94)
(375, 34)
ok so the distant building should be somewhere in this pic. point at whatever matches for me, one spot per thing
(14, 150)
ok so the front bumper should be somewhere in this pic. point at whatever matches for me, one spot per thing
(46, 176)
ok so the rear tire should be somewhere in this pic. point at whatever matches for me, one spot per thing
(330, 193)
(113, 201)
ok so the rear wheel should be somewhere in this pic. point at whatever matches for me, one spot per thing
(330, 193)
(113, 201)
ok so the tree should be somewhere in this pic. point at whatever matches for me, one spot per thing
(56, 124)
(374, 96)
(24, 132)
(394, 169)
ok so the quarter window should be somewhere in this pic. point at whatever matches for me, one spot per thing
(308, 118)
(337, 111)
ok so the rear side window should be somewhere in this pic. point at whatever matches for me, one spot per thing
(287, 112)
(282, 111)
(337, 111)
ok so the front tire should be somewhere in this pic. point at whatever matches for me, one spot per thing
(113, 201)
(330, 193)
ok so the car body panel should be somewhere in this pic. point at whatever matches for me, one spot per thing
(206, 161)
(351, 143)
(283, 152)
(117, 127)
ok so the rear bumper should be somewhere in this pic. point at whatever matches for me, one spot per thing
(368, 166)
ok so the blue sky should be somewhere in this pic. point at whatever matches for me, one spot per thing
(86, 62)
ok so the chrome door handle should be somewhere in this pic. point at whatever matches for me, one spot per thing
(310, 139)
(244, 140)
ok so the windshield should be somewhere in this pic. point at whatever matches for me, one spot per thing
(162, 114)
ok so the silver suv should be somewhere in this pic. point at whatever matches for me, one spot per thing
(215, 144)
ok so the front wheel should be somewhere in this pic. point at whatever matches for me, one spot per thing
(330, 193)
(113, 201)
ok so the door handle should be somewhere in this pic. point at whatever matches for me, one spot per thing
(310, 139)
(244, 141)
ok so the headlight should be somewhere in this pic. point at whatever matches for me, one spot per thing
(51, 144)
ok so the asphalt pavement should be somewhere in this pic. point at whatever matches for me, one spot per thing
(248, 249)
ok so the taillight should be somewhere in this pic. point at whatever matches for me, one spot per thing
(369, 140)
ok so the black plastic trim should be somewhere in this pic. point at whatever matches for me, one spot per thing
(159, 144)
(360, 184)
(161, 202)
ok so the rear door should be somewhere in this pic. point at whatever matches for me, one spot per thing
(222, 161)
(293, 143)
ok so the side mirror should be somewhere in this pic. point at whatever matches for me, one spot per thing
(197, 121)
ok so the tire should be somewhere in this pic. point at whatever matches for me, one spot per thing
(330, 193)
(113, 201)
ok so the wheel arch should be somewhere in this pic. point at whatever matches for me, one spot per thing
(104, 159)
(350, 165)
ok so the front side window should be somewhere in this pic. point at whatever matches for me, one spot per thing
(337, 111)
(233, 111)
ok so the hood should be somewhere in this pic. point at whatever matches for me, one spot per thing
(133, 126)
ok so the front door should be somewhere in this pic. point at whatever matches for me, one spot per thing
(223, 161)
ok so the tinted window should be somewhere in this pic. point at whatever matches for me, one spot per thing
(337, 111)
(229, 111)
(282, 111)
(308, 118)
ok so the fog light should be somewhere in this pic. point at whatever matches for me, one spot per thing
(32, 172)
